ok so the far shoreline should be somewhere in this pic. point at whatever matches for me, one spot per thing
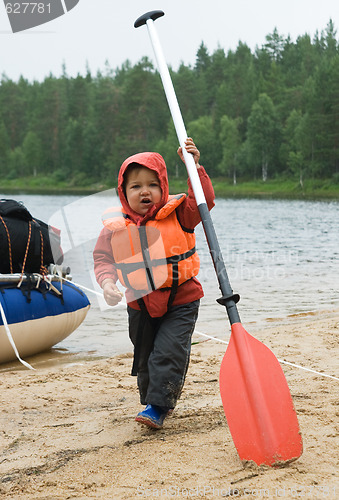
(312, 190)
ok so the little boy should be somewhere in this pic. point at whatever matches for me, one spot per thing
(149, 246)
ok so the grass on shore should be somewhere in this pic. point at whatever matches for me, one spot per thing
(277, 188)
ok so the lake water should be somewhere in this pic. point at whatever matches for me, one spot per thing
(282, 257)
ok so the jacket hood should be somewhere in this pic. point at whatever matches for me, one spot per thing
(155, 162)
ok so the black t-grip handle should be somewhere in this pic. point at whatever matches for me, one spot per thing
(153, 14)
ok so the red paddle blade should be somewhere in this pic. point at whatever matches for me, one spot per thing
(257, 402)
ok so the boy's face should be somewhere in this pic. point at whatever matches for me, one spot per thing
(142, 189)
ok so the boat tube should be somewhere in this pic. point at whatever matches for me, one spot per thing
(40, 311)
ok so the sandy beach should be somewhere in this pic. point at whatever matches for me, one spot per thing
(68, 430)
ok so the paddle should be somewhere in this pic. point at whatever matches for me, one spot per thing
(254, 392)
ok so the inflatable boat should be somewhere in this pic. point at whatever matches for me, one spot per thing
(37, 312)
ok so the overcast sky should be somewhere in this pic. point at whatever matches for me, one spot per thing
(98, 30)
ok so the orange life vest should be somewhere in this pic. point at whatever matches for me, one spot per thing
(159, 254)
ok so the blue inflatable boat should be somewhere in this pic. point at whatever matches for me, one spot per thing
(39, 312)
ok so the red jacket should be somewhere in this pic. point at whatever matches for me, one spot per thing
(188, 215)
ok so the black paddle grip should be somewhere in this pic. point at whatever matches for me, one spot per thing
(153, 14)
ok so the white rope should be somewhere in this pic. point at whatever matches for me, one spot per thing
(280, 360)
(214, 338)
(308, 369)
(99, 294)
(10, 338)
(84, 288)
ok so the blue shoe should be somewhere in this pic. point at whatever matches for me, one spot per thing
(152, 416)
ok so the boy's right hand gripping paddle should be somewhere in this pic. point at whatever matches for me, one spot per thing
(254, 392)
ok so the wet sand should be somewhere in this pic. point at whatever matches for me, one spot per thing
(67, 430)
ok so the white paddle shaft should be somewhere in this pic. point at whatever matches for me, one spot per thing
(175, 112)
(228, 299)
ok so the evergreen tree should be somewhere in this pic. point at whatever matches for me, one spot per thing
(32, 151)
(274, 45)
(4, 150)
(190, 96)
(230, 140)
(143, 115)
(292, 148)
(204, 135)
(263, 136)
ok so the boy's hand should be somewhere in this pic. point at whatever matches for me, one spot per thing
(190, 148)
(112, 294)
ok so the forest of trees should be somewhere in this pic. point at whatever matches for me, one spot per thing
(269, 113)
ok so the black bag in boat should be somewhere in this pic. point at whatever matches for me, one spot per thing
(26, 244)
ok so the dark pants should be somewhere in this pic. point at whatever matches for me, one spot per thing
(164, 352)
